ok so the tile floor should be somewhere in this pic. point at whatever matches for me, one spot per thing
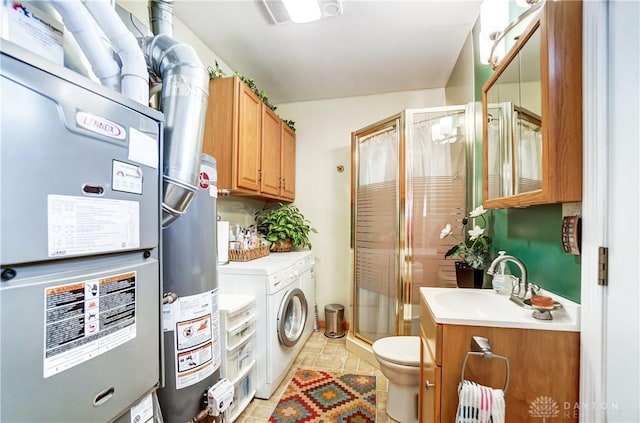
(321, 353)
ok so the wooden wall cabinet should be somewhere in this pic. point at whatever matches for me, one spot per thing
(253, 147)
(532, 107)
(545, 368)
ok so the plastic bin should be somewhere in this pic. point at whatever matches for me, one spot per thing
(333, 316)
(235, 309)
(238, 359)
(243, 392)
(236, 336)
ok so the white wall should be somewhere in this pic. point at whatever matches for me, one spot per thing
(460, 87)
(180, 33)
(323, 142)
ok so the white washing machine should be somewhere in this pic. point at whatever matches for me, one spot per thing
(308, 286)
(282, 311)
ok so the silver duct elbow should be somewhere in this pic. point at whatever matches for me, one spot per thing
(183, 99)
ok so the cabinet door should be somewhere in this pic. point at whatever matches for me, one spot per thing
(271, 153)
(428, 394)
(288, 172)
(249, 133)
(532, 126)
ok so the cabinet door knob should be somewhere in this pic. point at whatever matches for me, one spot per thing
(428, 385)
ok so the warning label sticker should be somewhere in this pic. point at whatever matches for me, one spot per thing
(86, 319)
(197, 337)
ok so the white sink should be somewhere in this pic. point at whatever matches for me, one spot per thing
(484, 307)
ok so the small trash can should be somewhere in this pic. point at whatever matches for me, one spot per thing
(333, 316)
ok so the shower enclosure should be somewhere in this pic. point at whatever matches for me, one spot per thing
(409, 180)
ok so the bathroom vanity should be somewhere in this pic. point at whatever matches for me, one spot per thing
(543, 356)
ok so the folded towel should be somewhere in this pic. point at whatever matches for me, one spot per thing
(479, 404)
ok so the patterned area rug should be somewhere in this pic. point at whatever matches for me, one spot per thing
(315, 396)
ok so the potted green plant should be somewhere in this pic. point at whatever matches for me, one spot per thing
(284, 226)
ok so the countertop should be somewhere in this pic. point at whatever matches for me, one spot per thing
(485, 307)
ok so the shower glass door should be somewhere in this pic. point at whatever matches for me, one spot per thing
(375, 229)
(409, 181)
(436, 180)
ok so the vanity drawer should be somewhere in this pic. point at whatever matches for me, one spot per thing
(432, 333)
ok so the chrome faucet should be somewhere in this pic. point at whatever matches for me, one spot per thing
(521, 288)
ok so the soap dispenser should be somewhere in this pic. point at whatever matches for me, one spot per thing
(502, 279)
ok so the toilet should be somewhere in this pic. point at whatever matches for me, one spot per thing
(399, 359)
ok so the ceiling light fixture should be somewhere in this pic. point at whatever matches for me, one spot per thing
(494, 17)
(288, 11)
(302, 11)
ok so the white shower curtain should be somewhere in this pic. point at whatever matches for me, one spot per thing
(379, 158)
(529, 156)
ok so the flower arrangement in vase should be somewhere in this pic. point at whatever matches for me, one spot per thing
(473, 249)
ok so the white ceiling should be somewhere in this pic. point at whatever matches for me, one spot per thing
(374, 47)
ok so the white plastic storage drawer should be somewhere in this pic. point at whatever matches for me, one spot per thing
(235, 336)
(236, 309)
(238, 359)
(243, 392)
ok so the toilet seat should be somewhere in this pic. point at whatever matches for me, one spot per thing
(402, 350)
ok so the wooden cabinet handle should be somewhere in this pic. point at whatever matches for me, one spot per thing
(428, 385)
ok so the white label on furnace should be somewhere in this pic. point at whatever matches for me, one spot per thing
(87, 318)
(196, 338)
(80, 225)
(143, 148)
(30, 28)
(142, 412)
(126, 177)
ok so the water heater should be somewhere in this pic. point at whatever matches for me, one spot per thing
(191, 322)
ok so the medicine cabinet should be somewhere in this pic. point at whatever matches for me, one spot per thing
(532, 109)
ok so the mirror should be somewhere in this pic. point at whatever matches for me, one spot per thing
(513, 122)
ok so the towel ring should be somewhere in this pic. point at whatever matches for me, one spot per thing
(488, 355)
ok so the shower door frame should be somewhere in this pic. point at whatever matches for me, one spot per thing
(403, 123)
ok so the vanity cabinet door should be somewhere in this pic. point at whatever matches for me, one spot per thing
(532, 106)
(429, 396)
(430, 371)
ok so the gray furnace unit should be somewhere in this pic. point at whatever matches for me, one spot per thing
(80, 285)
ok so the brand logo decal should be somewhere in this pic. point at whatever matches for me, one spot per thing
(204, 180)
(544, 407)
(100, 125)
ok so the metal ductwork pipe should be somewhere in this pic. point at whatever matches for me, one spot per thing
(161, 17)
(184, 95)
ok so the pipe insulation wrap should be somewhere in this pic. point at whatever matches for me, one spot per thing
(84, 29)
(161, 17)
(183, 99)
(135, 77)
